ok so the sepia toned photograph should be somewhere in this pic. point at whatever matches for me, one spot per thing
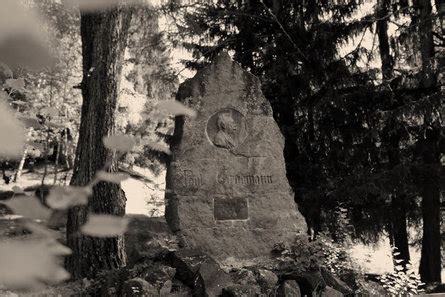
(277, 148)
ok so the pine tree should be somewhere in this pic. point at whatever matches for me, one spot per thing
(398, 232)
(104, 36)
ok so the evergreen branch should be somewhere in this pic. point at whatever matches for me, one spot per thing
(300, 52)
(374, 39)
(439, 36)
(215, 47)
(358, 45)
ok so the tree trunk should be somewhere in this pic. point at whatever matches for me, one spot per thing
(56, 161)
(430, 261)
(399, 230)
(398, 226)
(21, 164)
(45, 167)
(425, 31)
(398, 218)
(440, 7)
(23, 160)
(382, 31)
(103, 44)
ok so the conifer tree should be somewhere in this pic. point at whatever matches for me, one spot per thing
(104, 36)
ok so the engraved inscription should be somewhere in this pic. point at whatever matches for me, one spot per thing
(230, 209)
(190, 180)
(246, 179)
(237, 179)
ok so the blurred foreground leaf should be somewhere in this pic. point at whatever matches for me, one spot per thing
(112, 177)
(28, 207)
(95, 5)
(30, 264)
(66, 197)
(158, 146)
(17, 84)
(12, 132)
(122, 143)
(105, 225)
(175, 108)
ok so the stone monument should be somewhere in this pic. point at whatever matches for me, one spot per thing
(227, 191)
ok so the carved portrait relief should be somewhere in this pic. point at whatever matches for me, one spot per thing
(226, 128)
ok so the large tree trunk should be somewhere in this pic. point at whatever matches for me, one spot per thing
(430, 261)
(103, 44)
(398, 210)
(382, 31)
(398, 218)
(425, 30)
(440, 7)
(398, 226)
(399, 230)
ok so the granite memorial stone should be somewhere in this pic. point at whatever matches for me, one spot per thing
(227, 191)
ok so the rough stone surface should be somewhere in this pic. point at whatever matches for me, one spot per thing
(266, 279)
(227, 188)
(138, 287)
(335, 283)
(241, 290)
(199, 271)
(331, 292)
(187, 263)
(244, 276)
(210, 280)
(311, 283)
(147, 237)
(289, 288)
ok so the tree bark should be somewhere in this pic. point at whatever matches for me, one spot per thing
(56, 161)
(425, 31)
(18, 174)
(103, 43)
(398, 206)
(399, 230)
(382, 31)
(430, 261)
(440, 7)
(398, 225)
(398, 219)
